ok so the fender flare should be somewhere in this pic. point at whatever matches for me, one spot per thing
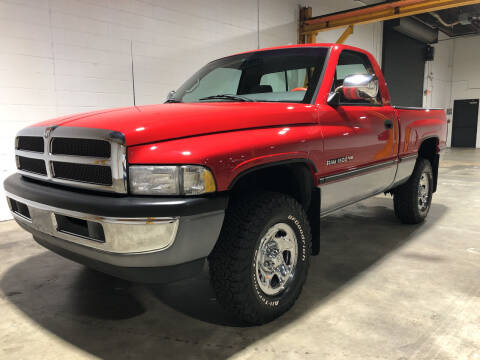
(245, 172)
(313, 211)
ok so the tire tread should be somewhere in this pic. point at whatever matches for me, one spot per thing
(230, 261)
(405, 196)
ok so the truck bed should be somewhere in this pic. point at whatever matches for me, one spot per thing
(417, 124)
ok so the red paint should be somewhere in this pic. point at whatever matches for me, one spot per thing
(230, 137)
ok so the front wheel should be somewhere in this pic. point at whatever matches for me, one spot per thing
(260, 262)
(412, 200)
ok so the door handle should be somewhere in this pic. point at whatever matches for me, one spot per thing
(388, 124)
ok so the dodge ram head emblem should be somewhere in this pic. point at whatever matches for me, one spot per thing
(48, 131)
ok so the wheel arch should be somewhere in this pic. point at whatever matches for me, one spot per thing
(294, 177)
(429, 150)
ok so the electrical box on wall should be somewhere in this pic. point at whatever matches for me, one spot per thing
(429, 52)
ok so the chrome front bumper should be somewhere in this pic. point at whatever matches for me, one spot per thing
(118, 235)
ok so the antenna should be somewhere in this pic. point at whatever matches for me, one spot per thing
(133, 73)
(258, 24)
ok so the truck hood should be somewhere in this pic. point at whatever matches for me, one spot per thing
(152, 123)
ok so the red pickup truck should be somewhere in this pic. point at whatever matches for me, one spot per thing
(237, 168)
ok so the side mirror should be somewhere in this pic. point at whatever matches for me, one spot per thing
(360, 87)
(355, 87)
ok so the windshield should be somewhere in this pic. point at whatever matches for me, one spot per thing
(286, 75)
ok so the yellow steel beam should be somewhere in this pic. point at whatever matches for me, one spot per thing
(314, 25)
(305, 13)
(348, 31)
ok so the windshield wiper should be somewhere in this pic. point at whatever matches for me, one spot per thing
(227, 97)
(172, 101)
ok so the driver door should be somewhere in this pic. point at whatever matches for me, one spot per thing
(361, 156)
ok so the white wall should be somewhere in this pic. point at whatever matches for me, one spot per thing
(438, 76)
(368, 37)
(453, 75)
(68, 56)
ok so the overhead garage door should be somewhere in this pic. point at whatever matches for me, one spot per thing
(403, 64)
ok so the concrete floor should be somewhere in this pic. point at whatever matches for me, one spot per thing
(379, 290)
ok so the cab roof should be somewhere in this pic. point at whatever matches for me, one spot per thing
(329, 45)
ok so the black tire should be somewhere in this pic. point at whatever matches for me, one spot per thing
(408, 207)
(233, 268)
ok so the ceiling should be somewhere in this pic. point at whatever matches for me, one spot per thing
(453, 22)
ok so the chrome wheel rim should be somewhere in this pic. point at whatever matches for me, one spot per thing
(276, 259)
(423, 193)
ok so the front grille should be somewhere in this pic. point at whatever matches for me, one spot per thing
(36, 166)
(73, 156)
(94, 174)
(81, 147)
(30, 143)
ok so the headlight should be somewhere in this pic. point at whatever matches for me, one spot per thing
(170, 180)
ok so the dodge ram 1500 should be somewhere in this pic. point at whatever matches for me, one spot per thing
(236, 168)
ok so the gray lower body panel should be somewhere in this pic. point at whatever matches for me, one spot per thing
(343, 189)
(404, 170)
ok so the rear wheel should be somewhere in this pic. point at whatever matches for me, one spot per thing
(412, 200)
(260, 262)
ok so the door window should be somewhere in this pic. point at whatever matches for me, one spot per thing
(353, 63)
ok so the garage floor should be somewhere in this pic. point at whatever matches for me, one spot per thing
(378, 290)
